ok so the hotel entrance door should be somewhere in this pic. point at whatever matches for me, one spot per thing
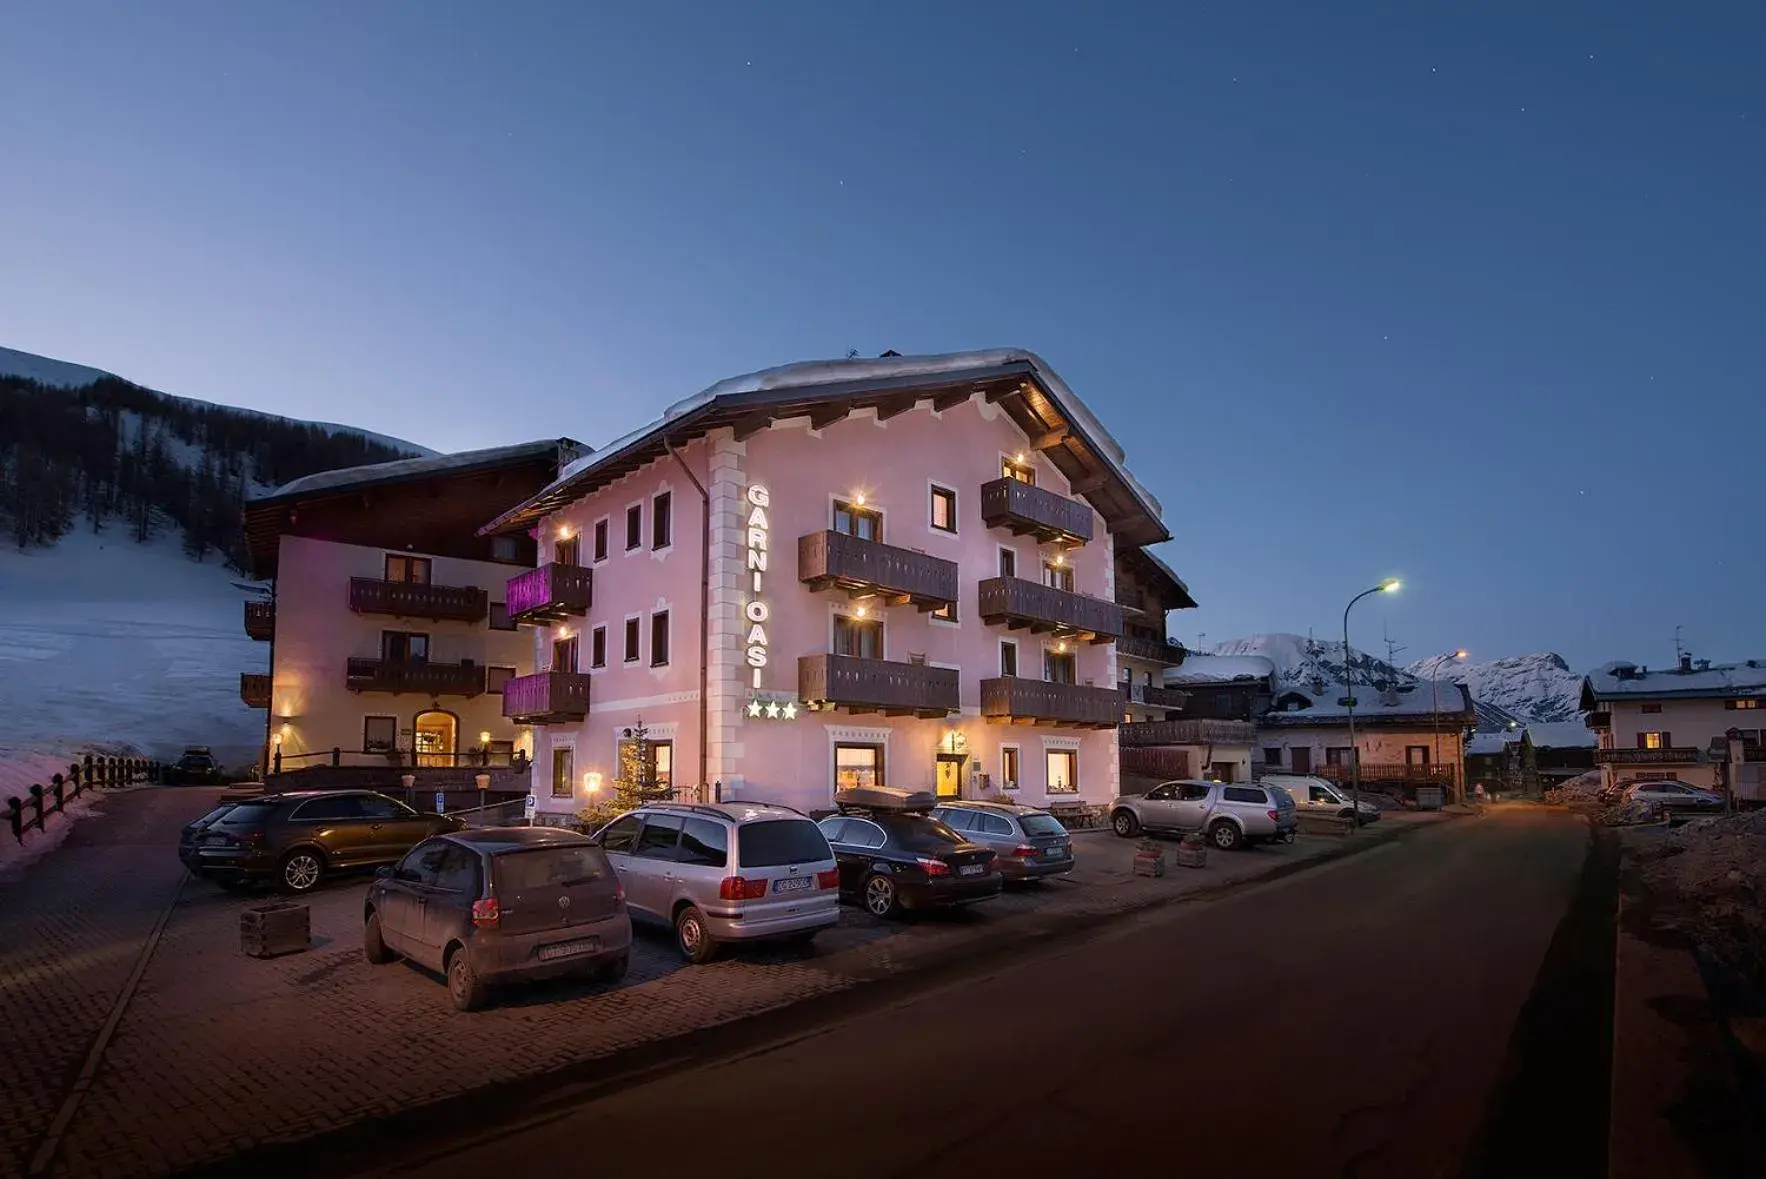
(950, 774)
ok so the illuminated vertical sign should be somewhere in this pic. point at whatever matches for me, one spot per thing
(756, 611)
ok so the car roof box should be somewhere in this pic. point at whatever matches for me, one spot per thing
(884, 798)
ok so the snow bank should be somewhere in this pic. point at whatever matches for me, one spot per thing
(1708, 878)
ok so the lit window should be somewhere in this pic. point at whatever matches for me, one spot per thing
(1063, 765)
(857, 765)
(944, 509)
(1009, 767)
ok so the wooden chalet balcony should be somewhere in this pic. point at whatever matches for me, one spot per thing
(870, 568)
(1153, 696)
(1199, 731)
(1680, 755)
(254, 689)
(1152, 650)
(550, 594)
(876, 685)
(415, 599)
(1037, 511)
(1376, 771)
(260, 621)
(1155, 761)
(424, 678)
(1598, 720)
(1042, 702)
(1018, 603)
(547, 697)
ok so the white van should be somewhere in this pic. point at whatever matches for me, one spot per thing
(1320, 796)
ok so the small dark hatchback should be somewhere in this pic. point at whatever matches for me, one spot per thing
(894, 855)
(501, 905)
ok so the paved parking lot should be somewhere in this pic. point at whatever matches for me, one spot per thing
(217, 1051)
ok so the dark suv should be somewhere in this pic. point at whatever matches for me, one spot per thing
(296, 839)
(197, 767)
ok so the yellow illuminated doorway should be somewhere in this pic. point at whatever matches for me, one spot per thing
(950, 774)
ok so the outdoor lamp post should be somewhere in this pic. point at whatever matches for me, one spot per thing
(1385, 587)
(1435, 705)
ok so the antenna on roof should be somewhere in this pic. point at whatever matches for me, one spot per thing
(1678, 649)
(1392, 650)
(852, 354)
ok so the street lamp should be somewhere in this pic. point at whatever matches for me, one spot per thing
(1435, 705)
(1385, 587)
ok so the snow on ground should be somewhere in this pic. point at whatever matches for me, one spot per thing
(103, 640)
(20, 769)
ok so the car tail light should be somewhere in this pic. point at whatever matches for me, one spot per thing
(618, 892)
(828, 879)
(486, 914)
(248, 838)
(735, 888)
(1274, 815)
(933, 867)
(1024, 852)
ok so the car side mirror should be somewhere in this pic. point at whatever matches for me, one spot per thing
(385, 871)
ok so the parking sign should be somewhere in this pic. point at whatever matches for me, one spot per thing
(441, 803)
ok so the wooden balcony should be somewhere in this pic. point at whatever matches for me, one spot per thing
(1374, 772)
(1199, 731)
(423, 678)
(547, 697)
(869, 568)
(550, 594)
(413, 599)
(260, 621)
(1682, 755)
(254, 689)
(876, 685)
(1598, 720)
(1017, 603)
(1159, 762)
(1036, 511)
(1153, 696)
(1041, 702)
(1152, 650)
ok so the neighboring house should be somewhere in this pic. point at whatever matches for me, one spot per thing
(1406, 734)
(1147, 589)
(1661, 723)
(897, 571)
(390, 643)
(1528, 759)
(1216, 735)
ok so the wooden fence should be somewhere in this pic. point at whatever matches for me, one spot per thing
(90, 773)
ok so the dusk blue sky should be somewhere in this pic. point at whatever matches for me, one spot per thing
(1470, 294)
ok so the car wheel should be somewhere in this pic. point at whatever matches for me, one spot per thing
(615, 970)
(881, 897)
(373, 945)
(301, 871)
(465, 988)
(1125, 824)
(692, 938)
(1226, 837)
(1346, 815)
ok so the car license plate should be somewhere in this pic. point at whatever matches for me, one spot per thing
(587, 945)
(793, 883)
(972, 869)
(1056, 852)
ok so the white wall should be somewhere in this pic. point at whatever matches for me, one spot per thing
(1688, 724)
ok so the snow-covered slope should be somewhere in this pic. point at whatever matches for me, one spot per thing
(1299, 659)
(1539, 687)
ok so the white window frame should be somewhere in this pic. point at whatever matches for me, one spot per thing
(955, 508)
(593, 559)
(844, 610)
(1017, 658)
(606, 649)
(637, 659)
(1017, 561)
(875, 509)
(673, 522)
(624, 519)
(1017, 749)
(649, 630)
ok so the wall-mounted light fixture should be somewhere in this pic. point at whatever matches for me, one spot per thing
(591, 781)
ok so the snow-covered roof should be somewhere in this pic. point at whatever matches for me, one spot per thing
(1410, 702)
(1484, 744)
(405, 470)
(1218, 669)
(1620, 680)
(1561, 735)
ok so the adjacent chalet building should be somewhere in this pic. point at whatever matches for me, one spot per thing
(1147, 590)
(1216, 735)
(900, 571)
(390, 641)
(1662, 723)
(1528, 759)
(1405, 734)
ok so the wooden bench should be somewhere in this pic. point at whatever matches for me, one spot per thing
(1076, 814)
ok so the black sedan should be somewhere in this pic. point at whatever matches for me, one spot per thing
(895, 858)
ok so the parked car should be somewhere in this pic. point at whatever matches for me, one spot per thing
(1231, 815)
(729, 872)
(1672, 797)
(500, 905)
(296, 839)
(197, 767)
(191, 835)
(1320, 796)
(894, 855)
(1028, 844)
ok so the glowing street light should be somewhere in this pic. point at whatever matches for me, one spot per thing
(1390, 585)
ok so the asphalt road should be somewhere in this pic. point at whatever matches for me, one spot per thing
(1368, 1018)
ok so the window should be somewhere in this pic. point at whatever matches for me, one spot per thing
(860, 638)
(856, 521)
(1165, 793)
(601, 540)
(564, 654)
(379, 734)
(424, 863)
(863, 833)
(776, 843)
(832, 826)
(955, 818)
(1063, 767)
(500, 619)
(563, 767)
(662, 520)
(1059, 576)
(659, 768)
(1248, 794)
(1008, 563)
(660, 835)
(1022, 472)
(414, 570)
(1272, 755)
(994, 825)
(1223, 704)
(634, 526)
(857, 765)
(1060, 667)
(598, 647)
(1008, 658)
(1662, 740)
(567, 552)
(1009, 767)
(1737, 705)
(944, 509)
(328, 810)
(945, 613)
(1193, 791)
(704, 843)
(1337, 755)
(621, 834)
(631, 640)
(378, 806)
(397, 646)
(497, 678)
(458, 871)
(505, 548)
(1416, 755)
(659, 639)
(1652, 708)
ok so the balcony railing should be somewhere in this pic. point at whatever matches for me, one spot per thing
(1153, 696)
(838, 560)
(1199, 731)
(1683, 755)
(1375, 772)
(415, 599)
(876, 685)
(550, 593)
(1037, 511)
(1135, 600)
(1045, 702)
(1152, 650)
(1599, 720)
(409, 675)
(1155, 762)
(546, 698)
(254, 689)
(260, 620)
(1018, 603)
